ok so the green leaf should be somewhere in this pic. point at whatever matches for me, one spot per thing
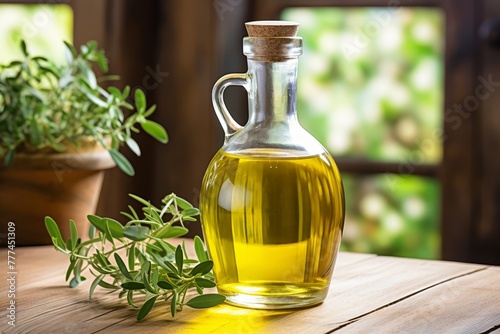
(70, 52)
(128, 106)
(131, 256)
(94, 284)
(126, 92)
(171, 267)
(161, 262)
(69, 244)
(182, 203)
(15, 63)
(122, 162)
(168, 231)
(147, 283)
(136, 233)
(109, 235)
(155, 274)
(103, 63)
(141, 200)
(39, 58)
(122, 266)
(140, 256)
(140, 101)
(54, 232)
(128, 215)
(190, 261)
(89, 76)
(100, 224)
(205, 301)
(73, 233)
(132, 211)
(103, 261)
(199, 248)
(70, 268)
(115, 92)
(48, 67)
(92, 230)
(94, 98)
(106, 285)
(115, 227)
(97, 222)
(152, 214)
(65, 80)
(185, 251)
(202, 268)
(150, 111)
(133, 285)
(145, 273)
(78, 266)
(38, 95)
(146, 268)
(9, 157)
(132, 144)
(166, 247)
(165, 285)
(153, 248)
(130, 298)
(59, 147)
(76, 281)
(155, 130)
(191, 212)
(24, 49)
(205, 283)
(179, 258)
(35, 133)
(146, 308)
(100, 269)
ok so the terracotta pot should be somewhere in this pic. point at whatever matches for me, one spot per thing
(61, 185)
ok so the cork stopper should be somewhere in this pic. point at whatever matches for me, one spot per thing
(272, 28)
(272, 40)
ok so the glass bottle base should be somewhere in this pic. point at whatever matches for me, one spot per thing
(273, 296)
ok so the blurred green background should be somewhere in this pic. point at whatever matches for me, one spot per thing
(43, 27)
(370, 86)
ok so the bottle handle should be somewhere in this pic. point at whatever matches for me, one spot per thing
(228, 123)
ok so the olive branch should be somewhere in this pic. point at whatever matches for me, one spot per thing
(152, 267)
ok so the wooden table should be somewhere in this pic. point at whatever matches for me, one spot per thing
(369, 294)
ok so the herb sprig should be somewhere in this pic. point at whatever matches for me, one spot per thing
(152, 268)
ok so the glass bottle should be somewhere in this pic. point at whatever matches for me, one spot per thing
(272, 202)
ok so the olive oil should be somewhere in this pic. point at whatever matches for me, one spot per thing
(271, 203)
(272, 220)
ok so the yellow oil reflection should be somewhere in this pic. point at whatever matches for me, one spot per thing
(230, 319)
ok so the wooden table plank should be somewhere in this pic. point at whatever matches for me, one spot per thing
(365, 290)
(44, 300)
(468, 304)
(374, 284)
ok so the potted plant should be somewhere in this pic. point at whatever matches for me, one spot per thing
(59, 130)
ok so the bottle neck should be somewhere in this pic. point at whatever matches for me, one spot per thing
(273, 91)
